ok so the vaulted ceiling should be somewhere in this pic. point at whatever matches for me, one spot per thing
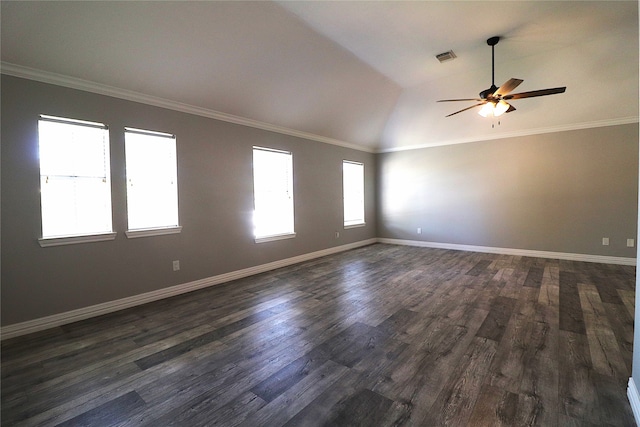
(353, 73)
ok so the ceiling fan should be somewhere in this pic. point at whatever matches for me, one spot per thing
(494, 100)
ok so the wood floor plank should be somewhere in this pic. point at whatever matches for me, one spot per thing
(455, 402)
(332, 400)
(209, 337)
(512, 278)
(603, 346)
(576, 384)
(571, 317)
(534, 277)
(380, 335)
(288, 376)
(510, 361)
(288, 404)
(628, 299)
(538, 401)
(496, 321)
(207, 412)
(494, 407)
(622, 327)
(365, 407)
(109, 413)
(479, 268)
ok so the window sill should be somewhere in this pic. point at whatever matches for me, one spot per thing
(360, 224)
(148, 232)
(46, 242)
(275, 237)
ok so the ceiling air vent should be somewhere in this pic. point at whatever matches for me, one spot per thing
(446, 56)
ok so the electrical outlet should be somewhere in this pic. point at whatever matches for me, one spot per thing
(176, 265)
(419, 230)
(337, 234)
(605, 241)
(630, 243)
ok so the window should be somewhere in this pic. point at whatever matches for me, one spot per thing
(272, 194)
(75, 183)
(353, 193)
(152, 183)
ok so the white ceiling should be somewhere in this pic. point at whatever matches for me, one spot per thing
(359, 72)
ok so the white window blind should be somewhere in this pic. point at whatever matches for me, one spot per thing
(273, 193)
(75, 183)
(353, 192)
(152, 179)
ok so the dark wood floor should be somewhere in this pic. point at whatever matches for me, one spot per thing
(378, 336)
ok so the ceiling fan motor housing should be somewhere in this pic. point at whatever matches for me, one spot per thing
(485, 93)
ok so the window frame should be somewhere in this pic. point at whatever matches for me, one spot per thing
(291, 190)
(359, 222)
(160, 230)
(48, 240)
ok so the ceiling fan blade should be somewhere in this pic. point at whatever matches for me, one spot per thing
(464, 99)
(510, 109)
(533, 93)
(465, 109)
(507, 87)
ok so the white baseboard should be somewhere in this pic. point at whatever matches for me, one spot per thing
(23, 328)
(40, 324)
(634, 400)
(510, 251)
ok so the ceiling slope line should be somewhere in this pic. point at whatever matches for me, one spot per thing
(129, 95)
(515, 134)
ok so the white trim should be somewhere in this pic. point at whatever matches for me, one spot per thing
(47, 242)
(358, 225)
(43, 323)
(632, 394)
(275, 237)
(129, 95)
(148, 232)
(524, 132)
(511, 251)
(75, 122)
(149, 132)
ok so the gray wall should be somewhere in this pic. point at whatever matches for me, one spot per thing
(558, 192)
(215, 204)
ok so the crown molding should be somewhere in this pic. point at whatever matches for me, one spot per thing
(98, 88)
(101, 89)
(525, 132)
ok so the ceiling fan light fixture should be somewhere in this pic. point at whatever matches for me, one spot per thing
(486, 110)
(494, 109)
(500, 108)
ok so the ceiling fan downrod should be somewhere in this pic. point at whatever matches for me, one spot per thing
(492, 41)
